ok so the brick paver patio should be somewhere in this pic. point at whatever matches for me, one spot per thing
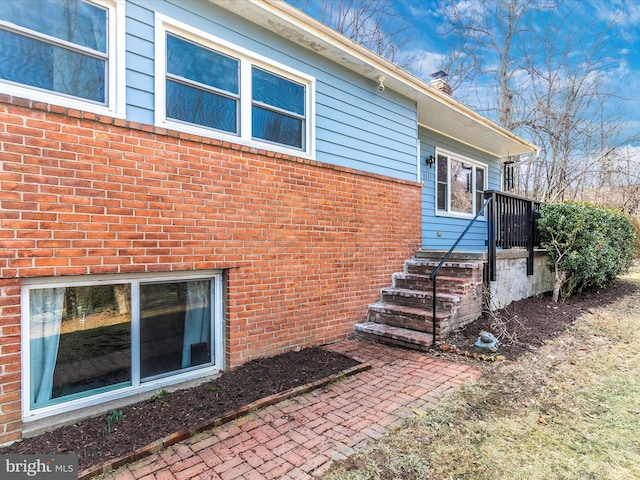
(300, 438)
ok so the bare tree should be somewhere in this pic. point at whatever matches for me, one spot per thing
(374, 24)
(568, 112)
(546, 78)
(485, 43)
(618, 185)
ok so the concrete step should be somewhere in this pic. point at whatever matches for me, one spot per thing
(417, 319)
(389, 335)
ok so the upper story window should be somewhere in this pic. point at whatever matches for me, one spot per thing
(461, 184)
(278, 111)
(209, 87)
(62, 52)
(202, 86)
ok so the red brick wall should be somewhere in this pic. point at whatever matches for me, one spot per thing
(305, 245)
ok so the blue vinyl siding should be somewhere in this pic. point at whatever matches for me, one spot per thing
(139, 62)
(441, 231)
(356, 127)
(356, 123)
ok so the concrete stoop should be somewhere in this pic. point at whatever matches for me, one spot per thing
(404, 314)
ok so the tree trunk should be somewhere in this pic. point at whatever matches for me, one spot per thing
(561, 277)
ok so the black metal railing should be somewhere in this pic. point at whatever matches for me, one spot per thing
(512, 223)
(434, 275)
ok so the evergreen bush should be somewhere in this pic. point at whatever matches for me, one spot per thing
(588, 245)
(635, 221)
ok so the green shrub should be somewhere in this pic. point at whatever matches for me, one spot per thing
(635, 221)
(588, 245)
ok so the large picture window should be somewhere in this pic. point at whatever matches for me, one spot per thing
(207, 86)
(86, 340)
(460, 185)
(60, 51)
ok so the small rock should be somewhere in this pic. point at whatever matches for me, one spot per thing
(445, 347)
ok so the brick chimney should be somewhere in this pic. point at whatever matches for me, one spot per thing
(440, 83)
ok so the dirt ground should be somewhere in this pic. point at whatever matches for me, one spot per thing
(522, 327)
(525, 325)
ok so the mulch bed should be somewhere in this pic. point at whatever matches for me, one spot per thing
(525, 325)
(183, 410)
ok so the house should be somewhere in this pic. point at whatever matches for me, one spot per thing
(186, 186)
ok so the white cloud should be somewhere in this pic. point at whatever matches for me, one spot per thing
(625, 13)
(623, 68)
(426, 62)
(424, 11)
(470, 9)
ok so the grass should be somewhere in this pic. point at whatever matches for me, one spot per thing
(571, 410)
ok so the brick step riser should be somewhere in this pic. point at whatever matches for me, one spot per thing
(394, 342)
(417, 315)
(462, 274)
(404, 321)
(457, 272)
(422, 302)
(443, 285)
(395, 335)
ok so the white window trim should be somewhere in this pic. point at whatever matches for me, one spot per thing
(461, 158)
(137, 386)
(116, 100)
(164, 25)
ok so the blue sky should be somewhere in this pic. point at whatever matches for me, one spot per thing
(623, 38)
(622, 41)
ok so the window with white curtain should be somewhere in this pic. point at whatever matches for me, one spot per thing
(84, 340)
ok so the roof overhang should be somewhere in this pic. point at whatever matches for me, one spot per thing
(437, 111)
